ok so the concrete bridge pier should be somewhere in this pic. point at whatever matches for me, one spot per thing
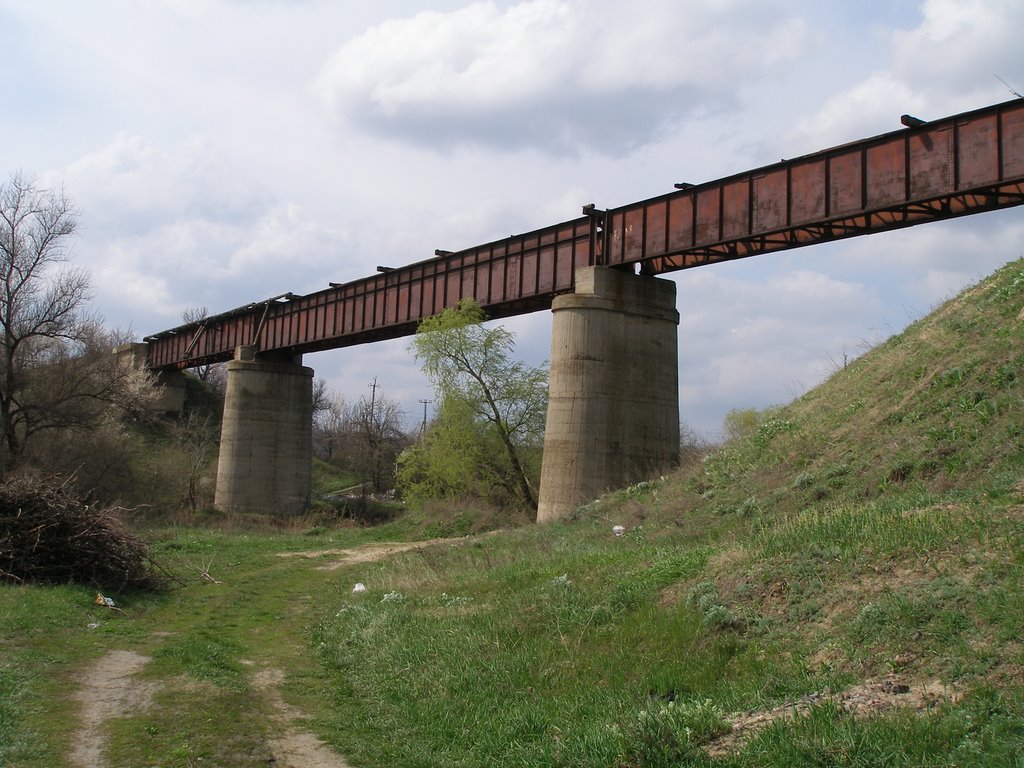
(266, 440)
(613, 394)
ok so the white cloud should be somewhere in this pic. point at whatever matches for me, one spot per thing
(860, 111)
(559, 74)
(959, 40)
(945, 64)
(134, 184)
(924, 265)
(749, 342)
(174, 228)
(119, 280)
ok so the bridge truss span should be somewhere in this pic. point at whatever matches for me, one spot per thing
(959, 165)
(513, 276)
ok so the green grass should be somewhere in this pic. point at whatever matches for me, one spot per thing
(556, 646)
(328, 478)
(869, 530)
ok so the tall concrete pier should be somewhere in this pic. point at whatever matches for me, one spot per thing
(613, 396)
(266, 440)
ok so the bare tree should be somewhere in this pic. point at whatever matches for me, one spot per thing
(199, 438)
(693, 446)
(364, 438)
(330, 420)
(378, 439)
(56, 365)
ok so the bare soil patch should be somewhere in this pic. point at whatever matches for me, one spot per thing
(869, 698)
(368, 553)
(371, 553)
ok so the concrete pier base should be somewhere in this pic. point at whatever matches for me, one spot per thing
(613, 394)
(266, 441)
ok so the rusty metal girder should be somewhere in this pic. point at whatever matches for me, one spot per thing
(508, 277)
(964, 164)
(956, 166)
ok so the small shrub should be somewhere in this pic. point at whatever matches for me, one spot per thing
(668, 731)
(1011, 288)
(643, 490)
(804, 480)
(1005, 376)
(901, 471)
(770, 429)
(951, 377)
(704, 598)
(749, 507)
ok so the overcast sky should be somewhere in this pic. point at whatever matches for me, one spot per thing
(225, 151)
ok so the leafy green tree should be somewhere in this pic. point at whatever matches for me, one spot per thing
(446, 463)
(490, 423)
(741, 422)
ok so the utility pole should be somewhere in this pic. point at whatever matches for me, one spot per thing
(423, 427)
(373, 395)
(372, 438)
(371, 418)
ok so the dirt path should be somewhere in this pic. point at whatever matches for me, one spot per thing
(294, 748)
(108, 690)
(371, 553)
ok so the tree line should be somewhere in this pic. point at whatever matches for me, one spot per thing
(69, 406)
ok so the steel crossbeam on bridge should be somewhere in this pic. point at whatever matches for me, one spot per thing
(959, 165)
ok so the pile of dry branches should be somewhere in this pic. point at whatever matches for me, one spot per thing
(50, 536)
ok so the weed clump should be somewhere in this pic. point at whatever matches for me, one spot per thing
(669, 732)
(50, 536)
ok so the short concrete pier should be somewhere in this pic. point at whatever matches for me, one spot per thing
(613, 403)
(266, 440)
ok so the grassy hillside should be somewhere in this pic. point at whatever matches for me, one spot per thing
(842, 587)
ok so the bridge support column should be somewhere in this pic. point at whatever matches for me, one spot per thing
(613, 394)
(266, 439)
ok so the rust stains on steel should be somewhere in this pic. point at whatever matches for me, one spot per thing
(930, 170)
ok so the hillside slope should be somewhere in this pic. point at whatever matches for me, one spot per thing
(935, 408)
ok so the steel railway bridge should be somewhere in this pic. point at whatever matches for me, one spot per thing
(584, 269)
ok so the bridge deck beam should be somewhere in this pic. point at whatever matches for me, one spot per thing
(954, 166)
